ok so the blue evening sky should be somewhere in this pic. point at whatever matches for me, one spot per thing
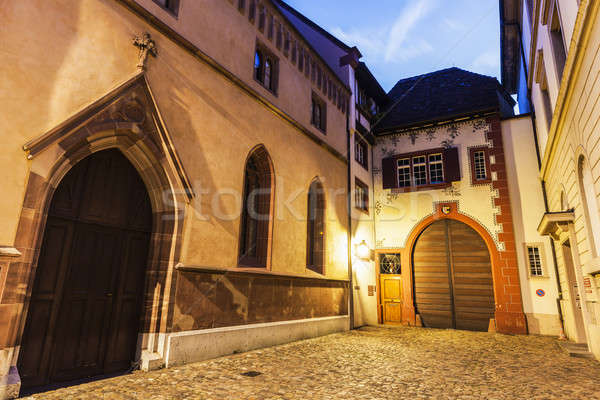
(402, 38)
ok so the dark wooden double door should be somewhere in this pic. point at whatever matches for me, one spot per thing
(453, 285)
(84, 313)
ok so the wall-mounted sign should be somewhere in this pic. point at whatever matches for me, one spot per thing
(587, 284)
(540, 293)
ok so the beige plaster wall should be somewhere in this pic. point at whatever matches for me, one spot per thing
(527, 204)
(577, 135)
(230, 38)
(62, 56)
(398, 214)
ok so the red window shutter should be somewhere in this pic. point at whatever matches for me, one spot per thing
(389, 170)
(451, 165)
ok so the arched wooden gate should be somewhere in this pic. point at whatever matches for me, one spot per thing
(453, 285)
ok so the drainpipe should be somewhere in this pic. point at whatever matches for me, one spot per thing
(349, 205)
(543, 183)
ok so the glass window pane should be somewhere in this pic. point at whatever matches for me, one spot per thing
(479, 164)
(420, 170)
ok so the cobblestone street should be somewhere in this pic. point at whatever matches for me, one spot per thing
(370, 363)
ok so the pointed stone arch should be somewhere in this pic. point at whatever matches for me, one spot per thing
(256, 219)
(126, 119)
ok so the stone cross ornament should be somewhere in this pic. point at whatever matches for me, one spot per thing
(147, 47)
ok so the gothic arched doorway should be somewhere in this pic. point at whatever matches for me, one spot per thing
(84, 311)
(453, 284)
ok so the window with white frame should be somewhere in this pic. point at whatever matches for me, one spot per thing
(479, 165)
(404, 172)
(534, 258)
(436, 168)
(420, 170)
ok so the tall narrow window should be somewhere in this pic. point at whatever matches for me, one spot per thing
(266, 68)
(258, 63)
(242, 6)
(268, 82)
(436, 168)
(420, 170)
(300, 59)
(361, 195)
(270, 27)
(279, 38)
(558, 44)
(404, 173)
(261, 18)
(255, 230)
(294, 51)
(361, 154)
(535, 261)
(315, 256)
(252, 11)
(480, 165)
(169, 5)
(318, 113)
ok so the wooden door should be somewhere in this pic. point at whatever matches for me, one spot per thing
(84, 313)
(453, 284)
(391, 298)
(472, 284)
(432, 283)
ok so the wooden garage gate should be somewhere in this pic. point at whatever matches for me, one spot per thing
(453, 284)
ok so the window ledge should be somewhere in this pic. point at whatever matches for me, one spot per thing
(592, 267)
(436, 186)
(538, 277)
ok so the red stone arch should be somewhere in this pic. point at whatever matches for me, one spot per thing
(509, 310)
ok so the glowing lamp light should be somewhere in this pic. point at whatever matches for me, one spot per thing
(363, 251)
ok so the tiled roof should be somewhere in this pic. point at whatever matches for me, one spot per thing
(440, 96)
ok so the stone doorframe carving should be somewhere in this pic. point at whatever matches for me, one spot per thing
(560, 226)
(127, 119)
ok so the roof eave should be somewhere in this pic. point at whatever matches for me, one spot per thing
(439, 121)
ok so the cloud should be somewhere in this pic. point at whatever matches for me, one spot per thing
(487, 60)
(370, 42)
(392, 43)
(453, 25)
(406, 21)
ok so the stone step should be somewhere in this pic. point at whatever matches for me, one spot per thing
(578, 350)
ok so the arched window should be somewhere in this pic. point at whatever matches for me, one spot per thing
(258, 66)
(268, 80)
(315, 241)
(255, 230)
(590, 205)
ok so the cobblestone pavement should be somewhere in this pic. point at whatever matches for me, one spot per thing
(370, 363)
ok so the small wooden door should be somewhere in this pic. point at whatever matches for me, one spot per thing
(453, 285)
(391, 298)
(84, 313)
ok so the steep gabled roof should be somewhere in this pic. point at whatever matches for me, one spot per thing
(441, 96)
